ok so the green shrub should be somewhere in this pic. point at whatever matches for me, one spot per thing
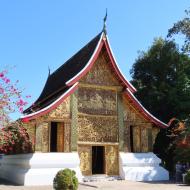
(187, 177)
(65, 180)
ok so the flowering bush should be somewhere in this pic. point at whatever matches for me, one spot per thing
(14, 140)
(10, 98)
(182, 151)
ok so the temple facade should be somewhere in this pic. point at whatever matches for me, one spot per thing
(87, 106)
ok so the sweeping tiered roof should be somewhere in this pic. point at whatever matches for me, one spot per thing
(64, 81)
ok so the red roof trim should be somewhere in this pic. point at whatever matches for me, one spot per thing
(52, 106)
(116, 68)
(147, 115)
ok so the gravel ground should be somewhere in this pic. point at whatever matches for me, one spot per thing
(106, 185)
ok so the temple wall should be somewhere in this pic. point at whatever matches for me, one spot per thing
(39, 129)
(144, 133)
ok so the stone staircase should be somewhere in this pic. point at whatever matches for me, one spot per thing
(100, 177)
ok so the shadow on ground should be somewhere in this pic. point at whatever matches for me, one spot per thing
(7, 183)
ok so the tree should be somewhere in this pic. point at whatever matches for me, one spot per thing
(162, 78)
(11, 99)
(182, 27)
(182, 151)
(165, 143)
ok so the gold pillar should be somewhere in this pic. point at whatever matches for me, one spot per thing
(120, 121)
(74, 120)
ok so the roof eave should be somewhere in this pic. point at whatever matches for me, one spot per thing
(143, 110)
(50, 107)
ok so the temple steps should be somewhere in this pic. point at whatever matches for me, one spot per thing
(100, 177)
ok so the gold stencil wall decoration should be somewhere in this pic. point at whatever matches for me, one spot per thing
(85, 155)
(31, 130)
(62, 111)
(101, 73)
(112, 160)
(97, 129)
(155, 132)
(127, 146)
(42, 137)
(144, 139)
(67, 137)
(137, 138)
(96, 101)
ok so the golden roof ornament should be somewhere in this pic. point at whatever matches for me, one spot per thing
(104, 27)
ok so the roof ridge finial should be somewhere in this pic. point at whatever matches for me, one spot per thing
(49, 71)
(105, 19)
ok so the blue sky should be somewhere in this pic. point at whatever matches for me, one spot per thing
(40, 33)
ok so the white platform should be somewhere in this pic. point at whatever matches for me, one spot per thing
(141, 167)
(37, 168)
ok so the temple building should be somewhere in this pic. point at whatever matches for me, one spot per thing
(88, 106)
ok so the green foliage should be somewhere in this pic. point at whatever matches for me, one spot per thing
(65, 180)
(182, 27)
(187, 177)
(14, 139)
(162, 78)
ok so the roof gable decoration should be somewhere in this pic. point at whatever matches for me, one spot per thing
(103, 41)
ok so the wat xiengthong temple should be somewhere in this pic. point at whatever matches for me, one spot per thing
(88, 108)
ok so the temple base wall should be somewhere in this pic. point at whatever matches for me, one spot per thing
(141, 167)
(41, 168)
(37, 168)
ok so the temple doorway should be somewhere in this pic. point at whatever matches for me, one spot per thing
(57, 137)
(131, 139)
(98, 159)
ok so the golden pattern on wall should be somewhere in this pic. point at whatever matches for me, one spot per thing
(31, 130)
(136, 138)
(85, 155)
(155, 131)
(67, 143)
(62, 111)
(97, 129)
(112, 160)
(92, 101)
(144, 139)
(130, 114)
(101, 73)
(42, 137)
(127, 146)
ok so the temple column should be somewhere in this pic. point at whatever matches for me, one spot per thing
(74, 120)
(120, 121)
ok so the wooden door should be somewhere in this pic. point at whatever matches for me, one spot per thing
(60, 137)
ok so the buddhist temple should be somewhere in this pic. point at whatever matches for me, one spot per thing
(88, 107)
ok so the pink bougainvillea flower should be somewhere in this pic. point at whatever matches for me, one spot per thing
(1, 75)
(7, 81)
(28, 96)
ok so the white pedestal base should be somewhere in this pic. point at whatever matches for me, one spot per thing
(38, 168)
(141, 167)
